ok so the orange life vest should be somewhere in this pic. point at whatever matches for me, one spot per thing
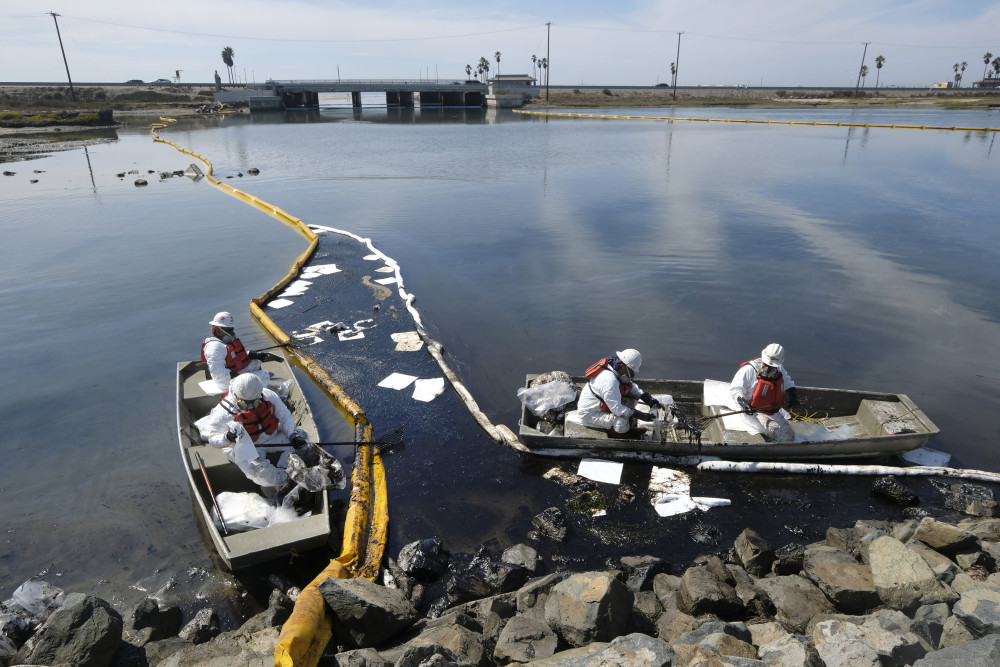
(237, 356)
(257, 420)
(606, 364)
(768, 394)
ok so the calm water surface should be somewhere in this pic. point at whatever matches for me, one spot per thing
(531, 244)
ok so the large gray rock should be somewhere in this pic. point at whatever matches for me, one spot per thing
(524, 556)
(943, 567)
(697, 636)
(979, 610)
(589, 607)
(673, 623)
(147, 614)
(634, 650)
(974, 499)
(842, 644)
(796, 600)
(902, 578)
(279, 608)
(753, 552)
(424, 559)
(791, 651)
(469, 646)
(429, 654)
(646, 611)
(942, 536)
(366, 614)
(531, 597)
(641, 571)
(985, 651)
(203, 627)
(725, 644)
(231, 648)
(666, 586)
(703, 592)
(524, 639)
(954, 632)
(360, 657)
(845, 581)
(84, 632)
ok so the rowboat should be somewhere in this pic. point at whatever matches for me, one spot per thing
(839, 424)
(257, 545)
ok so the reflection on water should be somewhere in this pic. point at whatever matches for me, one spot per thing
(532, 244)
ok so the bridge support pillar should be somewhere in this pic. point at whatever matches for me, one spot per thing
(356, 99)
(399, 99)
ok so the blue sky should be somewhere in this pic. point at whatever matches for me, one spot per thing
(630, 42)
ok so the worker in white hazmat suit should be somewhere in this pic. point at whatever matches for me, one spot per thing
(760, 388)
(609, 398)
(250, 415)
(225, 355)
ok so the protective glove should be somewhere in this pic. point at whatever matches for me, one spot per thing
(267, 356)
(297, 440)
(792, 397)
(642, 416)
(746, 406)
(254, 354)
(648, 399)
(231, 434)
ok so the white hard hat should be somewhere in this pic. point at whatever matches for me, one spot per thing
(247, 386)
(773, 355)
(630, 358)
(223, 319)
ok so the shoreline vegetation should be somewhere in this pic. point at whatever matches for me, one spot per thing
(35, 120)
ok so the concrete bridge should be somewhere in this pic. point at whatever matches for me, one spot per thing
(303, 94)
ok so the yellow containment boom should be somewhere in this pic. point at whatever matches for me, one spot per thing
(308, 630)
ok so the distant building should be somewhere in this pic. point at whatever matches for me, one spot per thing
(991, 82)
(512, 81)
(941, 84)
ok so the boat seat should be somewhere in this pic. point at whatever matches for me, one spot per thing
(888, 418)
(573, 430)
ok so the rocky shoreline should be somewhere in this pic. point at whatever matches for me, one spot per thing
(917, 592)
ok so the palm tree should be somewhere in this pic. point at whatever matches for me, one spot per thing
(878, 69)
(962, 75)
(485, 65)
(497, 56)
(227, 57)
(534, 61)
(958, 77)
(996, 66)
(986, 62)
(544, 64)
(864, 73)
(468, 71)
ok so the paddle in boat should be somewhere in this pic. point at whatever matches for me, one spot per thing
(699, 420)
(211, 474)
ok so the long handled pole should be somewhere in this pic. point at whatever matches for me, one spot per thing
(204, 473)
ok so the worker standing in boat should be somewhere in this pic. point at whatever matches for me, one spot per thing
(226, 356)
(609, 398)
(760, 388)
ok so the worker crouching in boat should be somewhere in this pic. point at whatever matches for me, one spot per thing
(760, 388)
(609, 399)
(251, 415)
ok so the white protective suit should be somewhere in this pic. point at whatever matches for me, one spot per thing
(775, 428)
(215, 356)
(243, 452)
(604, 387)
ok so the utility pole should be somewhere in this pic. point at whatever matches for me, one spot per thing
(858, 84)
(548, 33)
(72, 92)
(678, 63)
